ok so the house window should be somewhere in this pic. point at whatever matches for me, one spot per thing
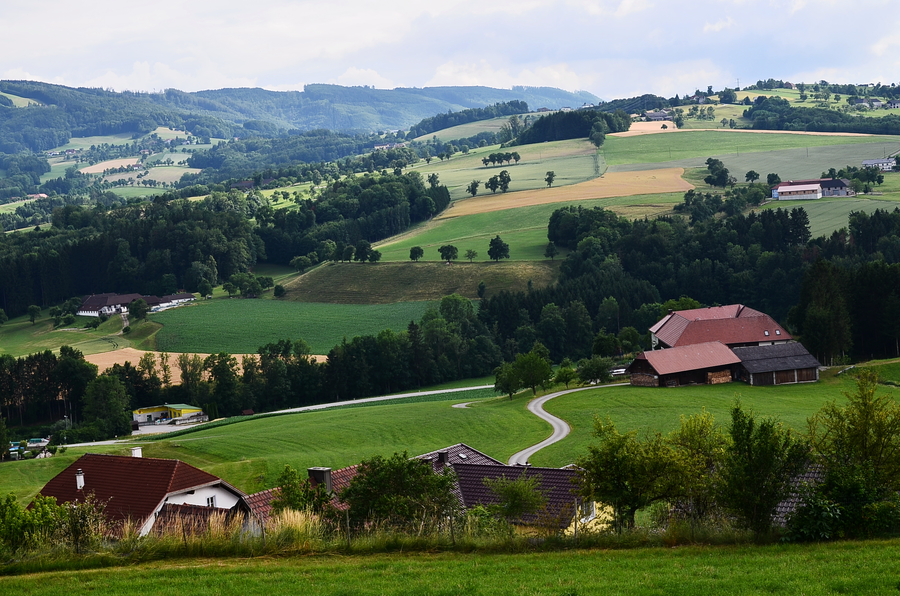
(587, 511)
(767, 333)
(778, 332)
(211, 501)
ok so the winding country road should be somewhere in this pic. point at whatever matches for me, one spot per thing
(561, 428)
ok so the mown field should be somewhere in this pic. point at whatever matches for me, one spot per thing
(251, 454)
(867, 567)
(523, 228)
(470, 129)
(573, 161)
(387, 283)
(241, 326)
(659, 409)
(20, 102)
(828, 215)
(18, 337)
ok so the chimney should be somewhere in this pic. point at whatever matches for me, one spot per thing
(443, 457)
(79, 479)
(319, 476)
(137, 452)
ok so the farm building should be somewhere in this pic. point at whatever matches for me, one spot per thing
(806, 189)
(777, 365)
(695, 364)
(734, 325)
(137, 488)
(110, 304)
(796, 192)
(165, 412)
(885, 164)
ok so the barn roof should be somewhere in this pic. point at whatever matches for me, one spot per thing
(131, 487)
(692, 357)
(730, 324)
(789, 356)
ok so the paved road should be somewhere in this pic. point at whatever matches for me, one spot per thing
(561, 428)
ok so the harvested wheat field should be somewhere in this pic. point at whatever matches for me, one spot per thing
(98, 168)
(612, 184)
(107, 359)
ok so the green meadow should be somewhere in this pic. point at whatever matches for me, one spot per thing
(828, 215)
(861, 568)
(523, 228)
(573, 161)
(470, 129)
(18, 337)
(239, 326)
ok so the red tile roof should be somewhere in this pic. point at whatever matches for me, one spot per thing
(131, 487)
(732, 324)
(261, 504)
(692, 357)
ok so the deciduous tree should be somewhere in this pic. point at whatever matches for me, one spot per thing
(498, 249)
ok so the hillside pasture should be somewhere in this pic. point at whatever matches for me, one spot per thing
(240, 326)
(829, 214)
(573, 161)
(169, 174)
(58, 167)
(523, 227)
(86, 142)
(21, 102)
(166, 133)
(652, 409)
(389, 283)
(18, 337)
(470, 129)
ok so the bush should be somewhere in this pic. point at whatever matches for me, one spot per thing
(126, 329)
(279, 291)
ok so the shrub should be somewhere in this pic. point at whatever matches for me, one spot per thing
(126, 329)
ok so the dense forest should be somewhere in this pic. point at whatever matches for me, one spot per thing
(775, 113)
(578, 124)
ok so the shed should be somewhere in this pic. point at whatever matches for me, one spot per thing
(777, 364)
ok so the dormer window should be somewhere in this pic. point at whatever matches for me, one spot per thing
(778, 332)
(766, 332)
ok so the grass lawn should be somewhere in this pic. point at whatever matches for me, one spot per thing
(659, 409)
(865, 567)
(252, 453)
(573, 161)
(828, 215)
(403, 282)
(523, 228)
(240, 326)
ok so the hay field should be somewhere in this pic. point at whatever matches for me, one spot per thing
(395, 282)
(158, 173)
(470, 129)
(21, 102)
(573, 161)
(613, 184)
(110, 163)
(828, 215)
(86, 142)
(58, 167)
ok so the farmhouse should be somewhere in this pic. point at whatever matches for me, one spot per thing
(796, 192)
(813, 189)
(657, 116)
(110, 304)
(892, 105)
(695, 364)
(138, 489)
(733, 325)
(777, 365)
(885, 164)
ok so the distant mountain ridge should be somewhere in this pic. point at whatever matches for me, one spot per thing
(68, 112)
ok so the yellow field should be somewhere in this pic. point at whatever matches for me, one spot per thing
(617, 184)
(160, 174)
(106, 165)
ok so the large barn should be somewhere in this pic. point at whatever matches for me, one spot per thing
(734, 325)
(698, 364)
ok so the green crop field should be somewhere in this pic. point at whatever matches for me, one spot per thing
(18, 337)
(828, 215)
(862, 568)
(388, 283)
(658, 409)
(660, 148)
(523, 228)
(573, 161)
(240, 326)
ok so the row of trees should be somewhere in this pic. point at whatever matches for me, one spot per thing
(709, 475)
(497, 249)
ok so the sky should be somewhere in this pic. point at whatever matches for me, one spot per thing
(612, 48)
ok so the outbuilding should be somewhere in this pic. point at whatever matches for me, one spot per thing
(695, 364)
(777, 365)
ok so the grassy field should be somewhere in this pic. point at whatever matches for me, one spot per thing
(573, 161)
(470, 129)
(523, 228)
(828, 215)
(159, 173)
(659, 409)
(21, 102)
(241, 326)
(19, 337)
(658, 148)
(252, 453)
(58, 167)
(866, 567)
(389, 283)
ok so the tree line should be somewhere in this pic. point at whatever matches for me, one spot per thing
(442, 121)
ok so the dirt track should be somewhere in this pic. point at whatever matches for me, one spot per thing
(612, 184)
(107, 359)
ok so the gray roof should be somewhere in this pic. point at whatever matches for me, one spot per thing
(789, 356)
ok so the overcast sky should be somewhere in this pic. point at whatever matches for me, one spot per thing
(612, 48)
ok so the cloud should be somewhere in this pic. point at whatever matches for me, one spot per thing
(363, 76)
(718, 25)
(483, 73)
